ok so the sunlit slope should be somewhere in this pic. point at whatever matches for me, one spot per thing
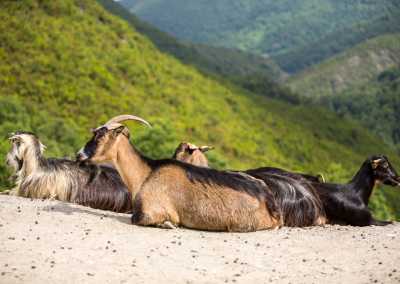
(74, 61)
(348, 69)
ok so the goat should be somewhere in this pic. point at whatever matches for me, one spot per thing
(297, 200)
(36, 176)
(192, 154)
(347, 203)
(168, 193)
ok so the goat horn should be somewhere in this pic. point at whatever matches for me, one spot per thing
(126, 117)
(15, 137)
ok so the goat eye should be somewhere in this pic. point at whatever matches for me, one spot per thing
(384, 165)
(98, 137)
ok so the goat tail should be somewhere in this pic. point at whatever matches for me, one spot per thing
(298, 201)
(318, 176)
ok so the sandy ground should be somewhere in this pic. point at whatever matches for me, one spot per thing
(46, 241)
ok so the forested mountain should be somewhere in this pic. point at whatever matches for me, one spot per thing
(220, 60)
(360, 83)
(262, 27)
(348, 69)
(376, 104)
(68, 66)
(338, 41)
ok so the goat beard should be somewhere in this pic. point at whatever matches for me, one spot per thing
(17, 170)
(14, 176)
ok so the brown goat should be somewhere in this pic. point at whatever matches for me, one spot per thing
(168, 193)
(296, 198)
(99, 187)
(192, 154)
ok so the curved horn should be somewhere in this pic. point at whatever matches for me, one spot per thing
(126, 117)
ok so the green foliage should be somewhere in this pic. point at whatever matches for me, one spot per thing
(263, 27)
(68, 66)
(159, 142)
(379, 207)
(260, 84)
(335, 173)
(12, 118)
(378, 109)
(338, 41)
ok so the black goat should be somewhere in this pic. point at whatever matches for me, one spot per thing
(347, 203)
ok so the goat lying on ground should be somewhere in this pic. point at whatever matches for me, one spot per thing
(39, 177)
(296, 199)
(347, 203)
(343, 203)
(168, 193)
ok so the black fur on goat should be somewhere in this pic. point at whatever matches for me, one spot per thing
(347, 203)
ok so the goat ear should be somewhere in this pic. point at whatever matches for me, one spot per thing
(118, 130)
(375, 164)
(206, 148)
(192, 147)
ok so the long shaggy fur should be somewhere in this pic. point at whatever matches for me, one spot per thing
(295, 197)
(298, 200)
(36, 176)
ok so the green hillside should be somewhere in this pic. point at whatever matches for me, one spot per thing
(263, 27)
(376, 104)
(220, 60)
(68, 66)
(339, 41)
(347, 69)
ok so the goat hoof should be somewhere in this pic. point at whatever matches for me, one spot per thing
(167, 225)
